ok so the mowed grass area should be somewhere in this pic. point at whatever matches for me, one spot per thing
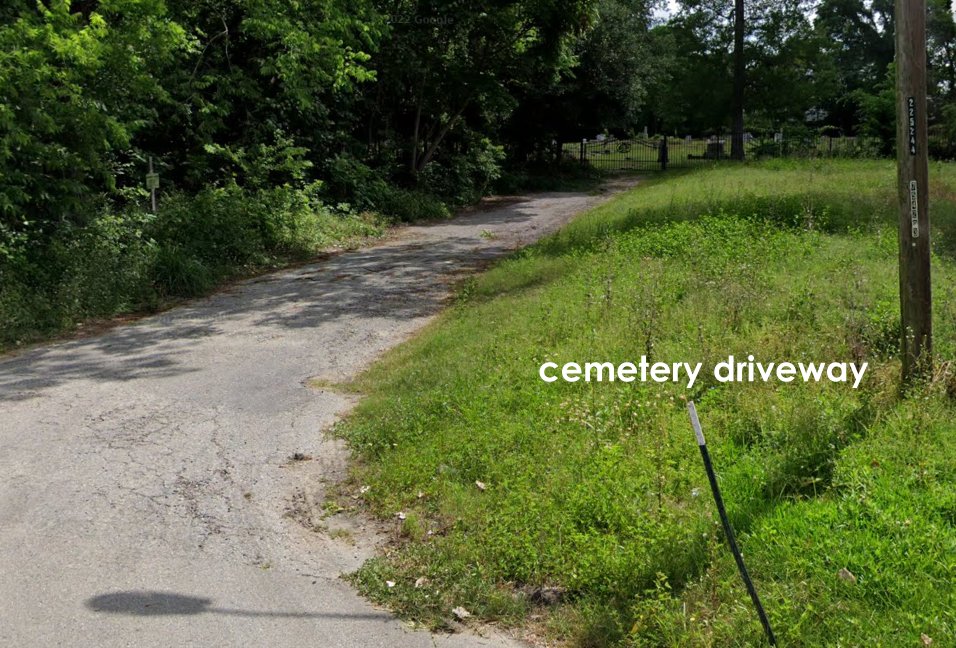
(641, 154)
(598, 488)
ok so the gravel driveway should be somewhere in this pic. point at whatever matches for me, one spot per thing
(148, 491)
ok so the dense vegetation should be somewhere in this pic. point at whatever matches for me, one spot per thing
(599, 489)
(277, 128)
(276, 125)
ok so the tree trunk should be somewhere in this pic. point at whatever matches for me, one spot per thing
(737, 130)
(433, 148)
(413, 163)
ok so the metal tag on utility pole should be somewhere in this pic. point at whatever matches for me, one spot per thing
(914, 210)
(911, 121)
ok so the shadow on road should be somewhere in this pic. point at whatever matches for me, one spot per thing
(395, 281)
(150, 603)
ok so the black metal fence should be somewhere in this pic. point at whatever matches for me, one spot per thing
(650, 153)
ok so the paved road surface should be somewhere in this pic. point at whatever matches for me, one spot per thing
(146, 492)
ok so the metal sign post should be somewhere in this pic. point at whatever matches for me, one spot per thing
(913, 178)
(152, 183)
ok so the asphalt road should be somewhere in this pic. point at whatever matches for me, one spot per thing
(147, 495)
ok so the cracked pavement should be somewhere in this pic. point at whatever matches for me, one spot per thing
(147, 496)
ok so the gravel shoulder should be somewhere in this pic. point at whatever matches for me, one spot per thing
(149, 490)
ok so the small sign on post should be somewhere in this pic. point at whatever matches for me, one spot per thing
(152, 183)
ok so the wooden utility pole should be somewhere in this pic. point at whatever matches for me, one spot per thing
(913, 174)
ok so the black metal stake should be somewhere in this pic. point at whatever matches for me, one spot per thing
(728, 530)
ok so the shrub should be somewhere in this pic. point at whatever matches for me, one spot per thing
(466, 177)
(105, 265)
(176, 272)
(354, 182)
(363, 188)
(410, 205)
(75, 92)
(127, 260)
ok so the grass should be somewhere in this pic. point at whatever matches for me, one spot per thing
(642, 153)
(598, 488)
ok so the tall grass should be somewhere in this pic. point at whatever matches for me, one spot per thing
(597, 489)
(126, 261)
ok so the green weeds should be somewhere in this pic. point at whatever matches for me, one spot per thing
(598, 488)
(129, 261)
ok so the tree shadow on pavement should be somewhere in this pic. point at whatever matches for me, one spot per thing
(152, 603)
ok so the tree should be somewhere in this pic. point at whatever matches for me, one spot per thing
(617, 63)
(788, 79)
(760, 50)
(857, 39)
(941, 44)
(78, 88)
(264, 74)
(740, 81)
(449, 67)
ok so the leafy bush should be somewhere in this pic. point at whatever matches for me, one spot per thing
(565, 176)
(106, 265)
(354, 182)
(73, 98)
(263, 164)
(466, 177)
(129, 260)
(360, 186)
(177, 273)
(410, 205)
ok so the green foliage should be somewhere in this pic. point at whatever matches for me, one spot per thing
(264, 164)
(365, 189)
(568, 175)
(452, 72)
(131, 260)
(617, 62)
(598, 488)
(75, 91)
(410, 205)
(405, 108)
(351, 179)
(878, 112)
(463, 179)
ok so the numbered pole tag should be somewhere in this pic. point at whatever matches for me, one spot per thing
(152, 181)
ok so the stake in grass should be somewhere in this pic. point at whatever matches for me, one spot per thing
(728, 530)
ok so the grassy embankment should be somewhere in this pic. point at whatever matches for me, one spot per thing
(599, 488)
